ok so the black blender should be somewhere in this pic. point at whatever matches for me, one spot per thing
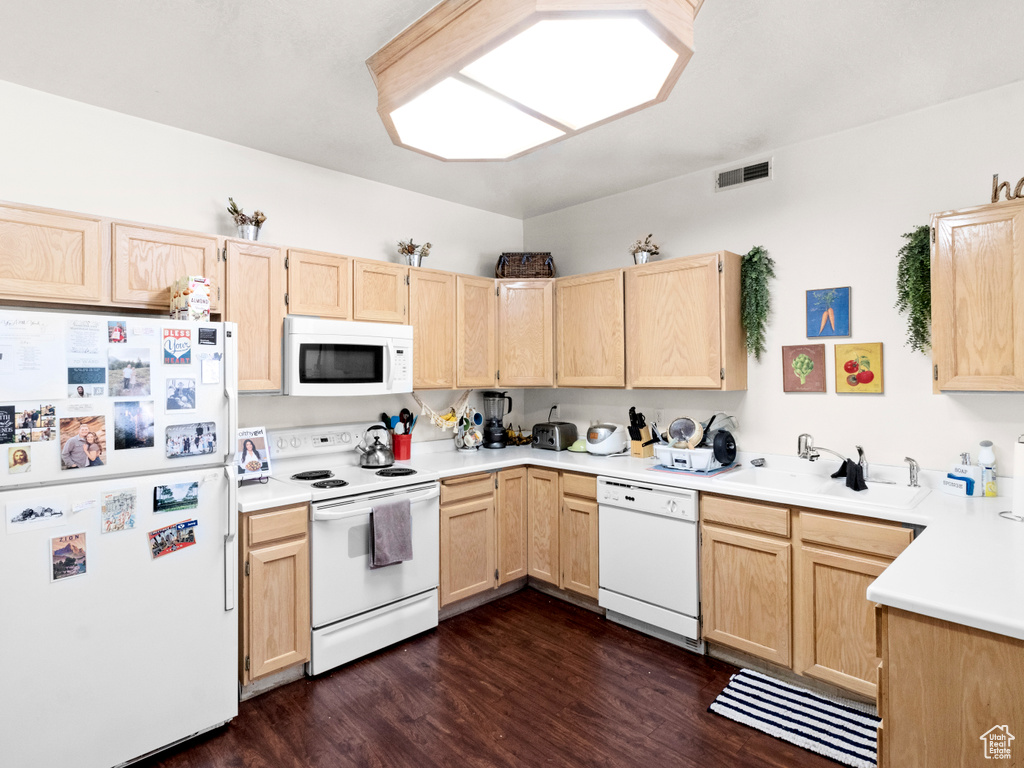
(494, 416)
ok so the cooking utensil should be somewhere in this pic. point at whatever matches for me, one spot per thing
(686, 431)
(378, 454)
(724, 446)
(405, 417)
(386, 419)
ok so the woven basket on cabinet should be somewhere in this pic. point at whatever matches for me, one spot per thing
(524, 265)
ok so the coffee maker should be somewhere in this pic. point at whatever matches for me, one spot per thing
(494, 418)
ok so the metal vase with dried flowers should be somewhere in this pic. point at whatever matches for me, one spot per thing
(248, 226)
(414, 254)
(642, 250)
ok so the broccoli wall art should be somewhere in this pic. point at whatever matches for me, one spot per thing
(828, 312)
(803, 368)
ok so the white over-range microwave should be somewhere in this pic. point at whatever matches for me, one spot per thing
(327, 358)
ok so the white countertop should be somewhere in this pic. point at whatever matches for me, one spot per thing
(967, 567)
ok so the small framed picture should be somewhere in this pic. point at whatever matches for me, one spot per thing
(828, 312)
(803, 368)
(859, 368)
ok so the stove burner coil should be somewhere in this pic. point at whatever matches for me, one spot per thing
(396, 472)
(330, 484)
(316, 474)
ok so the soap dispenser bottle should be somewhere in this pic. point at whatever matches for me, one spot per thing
(987, 462)
(967, 471)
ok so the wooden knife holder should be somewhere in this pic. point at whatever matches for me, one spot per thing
(637, 448)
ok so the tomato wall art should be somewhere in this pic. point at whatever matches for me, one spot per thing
(828, 312)
(859, 368)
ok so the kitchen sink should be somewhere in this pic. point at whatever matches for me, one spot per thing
(877, 494)
(778, 480)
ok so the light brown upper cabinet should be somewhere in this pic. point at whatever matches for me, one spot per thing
(683, 328)
(255, 300)
(319, 284)
(50, 256)
(432, 314)
(978, 298)
(526, 333)
(380, 291)
(475, 344)
(590, 330)
(147, 260)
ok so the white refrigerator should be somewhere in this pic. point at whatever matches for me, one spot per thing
(118, 559)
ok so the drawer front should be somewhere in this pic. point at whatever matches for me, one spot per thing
(280, 523)
(751, 515)
(468, 487)
(873, 538)
(584, 486)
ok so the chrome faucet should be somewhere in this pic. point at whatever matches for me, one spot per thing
(862, 461)
(805, 449)
(914, 468)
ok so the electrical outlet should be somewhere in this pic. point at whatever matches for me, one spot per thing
(553, 414)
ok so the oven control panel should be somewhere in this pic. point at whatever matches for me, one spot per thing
(310, 441)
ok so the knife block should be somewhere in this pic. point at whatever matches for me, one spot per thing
(637, 448)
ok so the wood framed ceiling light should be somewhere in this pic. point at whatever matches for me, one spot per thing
(496, 79)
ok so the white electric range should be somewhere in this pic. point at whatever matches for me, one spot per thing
(356, 609)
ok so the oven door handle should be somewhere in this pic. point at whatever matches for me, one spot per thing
(342, 510)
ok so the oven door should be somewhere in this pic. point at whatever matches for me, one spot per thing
(343, 584)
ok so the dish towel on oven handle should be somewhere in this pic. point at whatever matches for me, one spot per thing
(390, 534)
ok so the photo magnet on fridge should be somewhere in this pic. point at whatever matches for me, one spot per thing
(6, 423)
(163, 541)
(133, 425)
(190, 439)
(175, 498)
(117, 332)
(181, 395)
(19, 459)
(46, 512)
(67, 556)
(177, 346)
(129, 371)
(118, 512)
(83, 442)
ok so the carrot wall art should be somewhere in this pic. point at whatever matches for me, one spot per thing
(828, 312)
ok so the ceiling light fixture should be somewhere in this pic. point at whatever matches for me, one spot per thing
(495, 79)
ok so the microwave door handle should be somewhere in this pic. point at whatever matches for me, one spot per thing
(389, 358)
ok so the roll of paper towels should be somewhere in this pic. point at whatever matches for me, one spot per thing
(1018, 476)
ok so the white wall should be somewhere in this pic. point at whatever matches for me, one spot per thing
(832, 216)
(68, 155)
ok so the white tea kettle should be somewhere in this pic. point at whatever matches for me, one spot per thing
(376, 455)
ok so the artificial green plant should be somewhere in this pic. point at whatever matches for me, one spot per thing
(914, 287)
(756, 269)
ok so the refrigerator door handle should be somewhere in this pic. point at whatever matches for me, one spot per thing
(231, 386)
(230, 546)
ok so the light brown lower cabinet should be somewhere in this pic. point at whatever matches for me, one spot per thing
(545, 507)
(274, 564)
(578, 549)
(745, 592)
(563, 530)
(947, 693)
(483, 532)
(789, 586)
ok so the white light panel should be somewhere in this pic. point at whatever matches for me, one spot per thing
(459, 122)
(578, 71)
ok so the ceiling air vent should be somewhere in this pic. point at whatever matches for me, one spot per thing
(748, 174)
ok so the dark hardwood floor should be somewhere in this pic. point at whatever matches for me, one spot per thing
(525, 681)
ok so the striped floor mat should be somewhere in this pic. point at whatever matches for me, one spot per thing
(841, 732)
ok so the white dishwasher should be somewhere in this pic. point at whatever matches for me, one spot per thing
(649, 559)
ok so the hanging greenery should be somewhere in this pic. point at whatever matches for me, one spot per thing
(914, 287)
(757, 268)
